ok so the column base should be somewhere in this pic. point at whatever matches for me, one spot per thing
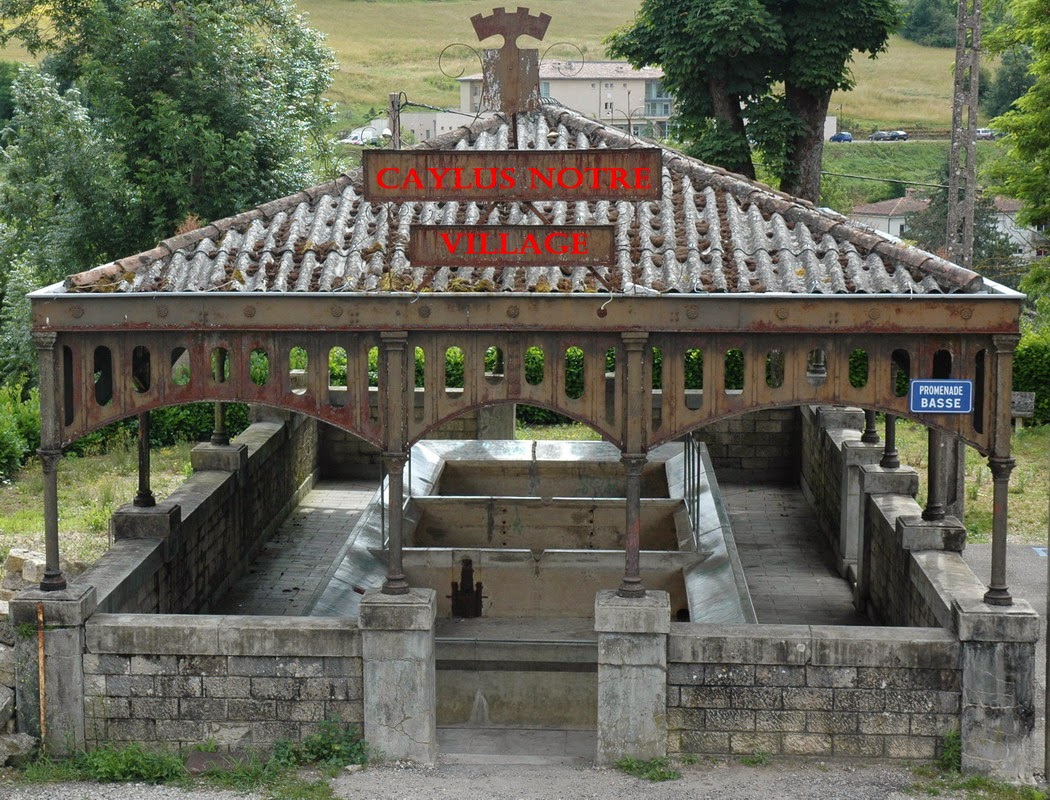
(998, 597)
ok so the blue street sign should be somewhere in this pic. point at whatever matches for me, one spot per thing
(940, 397)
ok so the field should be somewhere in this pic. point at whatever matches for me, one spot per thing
(390, 46)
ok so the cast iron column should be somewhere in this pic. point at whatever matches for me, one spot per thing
(637, 404)
(50, 454)
(631, 586)
(392, 389)
(144, 496)
(871, 433)
(890, 458)
(219, 435)
(1001, 465)
(998, 594)
(935, 477)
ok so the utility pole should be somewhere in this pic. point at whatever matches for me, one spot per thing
(962, 168)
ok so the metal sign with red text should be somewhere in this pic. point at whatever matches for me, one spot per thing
(398, 176)
(510, 245)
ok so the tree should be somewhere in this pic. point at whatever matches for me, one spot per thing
(1011, 81)
(1024, 171)
(175, 110)
(930, 22)
(758, 70)
(992, 249)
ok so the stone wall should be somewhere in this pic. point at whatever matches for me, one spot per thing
(175, 681)
(812, 690)
(181, 555)
(760, 446)
(342, 455)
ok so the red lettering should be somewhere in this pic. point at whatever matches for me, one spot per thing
(530, 245)
(641, 178)
(479, 175)
(507, 178)
(412, 178)
(618, 178)
(439, 176)
(538, 178)
(550, 246)
(579, 243)
(379, 178)
(452, 246)
(573, 173)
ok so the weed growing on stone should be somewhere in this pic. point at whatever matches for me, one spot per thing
(655, 769)
(949, 759)
(759, 759)
(108, 765)
(934, 783)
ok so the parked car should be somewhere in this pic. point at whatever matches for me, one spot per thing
(987, 133)
(842, 136)
(898, 136)
(880, 136)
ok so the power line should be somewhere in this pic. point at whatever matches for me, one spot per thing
(884, 180)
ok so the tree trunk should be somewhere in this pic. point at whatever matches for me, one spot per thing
(726, 107)
(807, 149)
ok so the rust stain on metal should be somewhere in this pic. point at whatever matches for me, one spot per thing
(511, 76)
(398, 176)
(511, 245)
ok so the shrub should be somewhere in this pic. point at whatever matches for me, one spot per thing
(1032, 372)
(132, 763)
(19, 425)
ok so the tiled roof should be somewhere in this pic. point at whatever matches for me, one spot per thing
(894, 207)
(713, 232)
(588, 70)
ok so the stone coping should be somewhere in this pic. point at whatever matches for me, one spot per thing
(182, 634)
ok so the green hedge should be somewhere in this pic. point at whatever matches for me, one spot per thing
(1032, 372)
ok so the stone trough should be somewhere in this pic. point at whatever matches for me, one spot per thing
(532, 531)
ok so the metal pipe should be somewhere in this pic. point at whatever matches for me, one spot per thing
(41, 679)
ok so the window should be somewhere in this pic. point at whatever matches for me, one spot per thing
(545, 88)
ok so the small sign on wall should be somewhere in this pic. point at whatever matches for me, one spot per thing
(940, 397)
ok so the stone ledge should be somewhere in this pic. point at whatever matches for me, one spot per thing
(876, 480)
(178, 634)
(915, 533)
(648, 614)
(701, 643)
(71, 606)
(157, 522)
(222, 458)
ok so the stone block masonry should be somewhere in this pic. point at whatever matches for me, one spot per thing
(175, 681)
(812, 690)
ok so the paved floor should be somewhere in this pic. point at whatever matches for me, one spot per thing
(787, 561)
(290, 567)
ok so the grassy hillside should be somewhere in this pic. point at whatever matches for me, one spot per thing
(906, 161)
(386, 46)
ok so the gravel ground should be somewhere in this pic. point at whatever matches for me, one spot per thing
(717, 781)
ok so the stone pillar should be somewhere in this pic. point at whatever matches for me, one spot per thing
(998, 703)
(397, 647)
(876, 479)
(890, 456)
(632, 675)
(851, 514)
(395, 582)
(954, 476)
(52, 708)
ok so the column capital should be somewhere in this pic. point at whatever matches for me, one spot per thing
(634, 463)
(634, 340)
(393, 340)
(1001, 467)
(1005, 343)
(394, 459)
(44, 340)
